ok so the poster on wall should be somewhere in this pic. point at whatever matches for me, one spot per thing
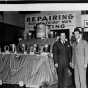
(85, 23)
(55, 22)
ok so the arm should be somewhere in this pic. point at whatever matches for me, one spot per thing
(85, 54)
(72, 63)
(70, 53)
(55, 53)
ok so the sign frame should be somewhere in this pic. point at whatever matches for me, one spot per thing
(85, 23)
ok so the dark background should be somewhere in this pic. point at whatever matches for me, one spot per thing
(42, 1)
(9, 34)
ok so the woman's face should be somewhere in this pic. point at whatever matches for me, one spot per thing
(77, 34)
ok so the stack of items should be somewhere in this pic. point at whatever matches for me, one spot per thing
(5, 85)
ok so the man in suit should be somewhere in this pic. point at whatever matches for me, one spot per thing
(80, 59)
(61, 54)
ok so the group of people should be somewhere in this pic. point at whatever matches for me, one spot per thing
(74, 55)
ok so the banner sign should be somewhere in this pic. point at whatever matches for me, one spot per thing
(55, 22)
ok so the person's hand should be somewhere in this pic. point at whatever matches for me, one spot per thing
(71, 65)
(69, 72)
(85, 65)
(56, 65)
(51, 55)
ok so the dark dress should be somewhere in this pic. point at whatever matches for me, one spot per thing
(62, 56)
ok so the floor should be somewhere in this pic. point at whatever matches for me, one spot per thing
(70, 83)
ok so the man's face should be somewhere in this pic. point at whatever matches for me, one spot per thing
(77, 34)
(62, 36)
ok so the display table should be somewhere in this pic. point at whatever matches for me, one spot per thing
(31, 69)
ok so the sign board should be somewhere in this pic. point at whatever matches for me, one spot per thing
(55, 22)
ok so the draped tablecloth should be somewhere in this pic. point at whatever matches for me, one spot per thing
(31, 69)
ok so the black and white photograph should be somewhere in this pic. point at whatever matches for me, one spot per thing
(44, 49)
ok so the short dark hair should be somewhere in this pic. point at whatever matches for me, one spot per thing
(78, 30)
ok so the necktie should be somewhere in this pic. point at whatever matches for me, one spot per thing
(63, 42)
(76, 42)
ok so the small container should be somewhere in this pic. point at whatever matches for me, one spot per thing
(21, 84)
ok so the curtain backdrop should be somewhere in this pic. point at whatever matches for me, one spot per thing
(31, 69)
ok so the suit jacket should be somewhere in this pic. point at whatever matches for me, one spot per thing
(80, 53)
(61, 53)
